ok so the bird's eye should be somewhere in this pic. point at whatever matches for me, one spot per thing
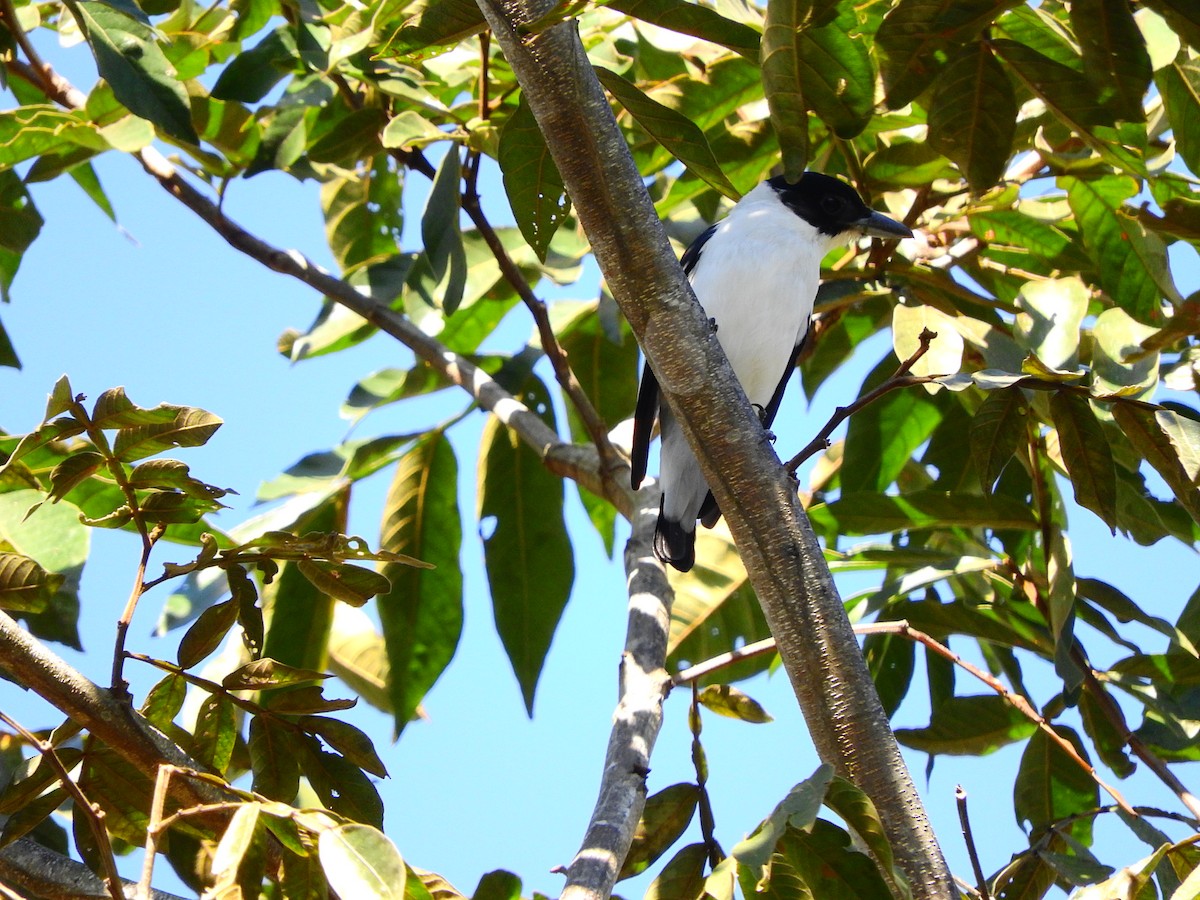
(832, 205)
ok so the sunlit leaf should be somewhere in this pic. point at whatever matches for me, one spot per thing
(360, 861)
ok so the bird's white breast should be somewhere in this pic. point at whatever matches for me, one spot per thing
(757, 277)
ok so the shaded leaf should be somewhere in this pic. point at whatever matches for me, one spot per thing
(682, 878)
(1114, 54)
(997, 429)
(206, 633)
(266, 674)
(665, 817)
(273, 760)
(677, 133)
(348, 740)
(131, 61)
(973, 115)
(1050, 786)
(1087, 455)
(442, 233)
(530, 563)
(531, 180)
(974, 725)
(422, 612)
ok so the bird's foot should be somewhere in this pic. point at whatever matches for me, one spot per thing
(713, 325)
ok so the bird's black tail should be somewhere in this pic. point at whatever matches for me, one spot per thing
(673, 544)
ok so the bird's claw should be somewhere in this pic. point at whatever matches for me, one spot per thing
(713, 324)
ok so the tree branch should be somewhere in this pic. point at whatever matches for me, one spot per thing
(40, 872)
(782, 557)
(108, 718)
(644, 684)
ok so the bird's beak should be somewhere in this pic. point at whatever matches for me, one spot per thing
(880, 226)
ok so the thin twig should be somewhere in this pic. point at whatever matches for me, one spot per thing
(92, 814)
(903, 629)
(960, 797)
(1112, 712)
(153, 829)
(900, 379)
(708, 825)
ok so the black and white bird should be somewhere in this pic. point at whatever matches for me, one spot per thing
(755, 274)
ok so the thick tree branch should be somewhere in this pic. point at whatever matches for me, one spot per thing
(109, 719)
(782, 557)
(40, 872)
(644, 685)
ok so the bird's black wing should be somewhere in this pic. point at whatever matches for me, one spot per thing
(692, 254)
(647, 401)
(643, 425)
(773, 407)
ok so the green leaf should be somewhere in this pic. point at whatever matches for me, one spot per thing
(1131, 261)
(442, 233)
(361, 861)
(798, 810)
(882, 437)
(604, 364)
(1146, 433)
(342, 581)
(422, 613)
(872, 513)
(915, 35)
(1087, 455)
(164, 701)
(39, 130)
(836, 74)
(1184, 434)
(495, 885)
(969, 726)
(945, 353)
(410, 130)
(1119, 364)
(779, 60)
(188, 427)
(236, 844)
(665, 817)
(529, 558)
(21, 222)
(1179, 85)
(24, 585)
(890, 660)
(672, 129)
(998, 428)
(697, 21)
(1048, 324)
(273, 760)
(268, 674)
(431, 23)
(531, 180)
(216, 732)
(1064, 90)
(682, 878)
(340, 784)
(348, 740)
(860, 814)
(1050, 786)
(131, 61)
(823, 863)
(1114, 54)
(730, 702)
(1183, 17)
(207, 633)
(973, 115)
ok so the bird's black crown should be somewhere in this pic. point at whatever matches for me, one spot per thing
(828, 204)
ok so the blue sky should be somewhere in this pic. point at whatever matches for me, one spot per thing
(165, 308)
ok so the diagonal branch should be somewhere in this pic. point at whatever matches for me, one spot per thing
(644, 685)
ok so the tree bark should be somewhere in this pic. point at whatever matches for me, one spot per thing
(780, 551)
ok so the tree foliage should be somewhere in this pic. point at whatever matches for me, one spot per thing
(1047, 155)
